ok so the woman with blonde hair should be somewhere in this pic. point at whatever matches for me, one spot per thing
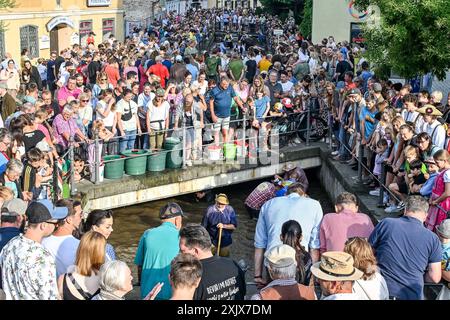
(6, 194)
(372, 285)
(102, 84)
(82, 281)
(258, 84)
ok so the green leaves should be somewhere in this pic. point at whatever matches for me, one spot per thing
(412, 36)
(306, 24)
(6, 4)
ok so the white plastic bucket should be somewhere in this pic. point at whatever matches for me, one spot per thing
(101, 173)
(214, 153)
(241, 150)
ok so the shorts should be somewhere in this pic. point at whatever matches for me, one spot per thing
(222, 123)
(403, 187)
(234, 123)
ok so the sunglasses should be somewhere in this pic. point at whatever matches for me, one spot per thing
(104, 79)
(85, 100)
(53, 223)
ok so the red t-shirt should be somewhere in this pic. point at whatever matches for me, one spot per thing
(161, 71)
(113, 75)
(90, 40)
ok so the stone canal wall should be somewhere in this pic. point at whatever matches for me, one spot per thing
(131, 190)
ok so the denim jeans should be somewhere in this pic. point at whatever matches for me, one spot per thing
(127, 142)
(344, 152)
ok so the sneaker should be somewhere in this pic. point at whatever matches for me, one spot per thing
(391, 209)
(335, 153)
(375, 192)
(386, 198)
(395, 208)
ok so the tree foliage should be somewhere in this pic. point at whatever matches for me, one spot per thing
(411, 37)
(306, 19)
(282, 7)
(6, 4)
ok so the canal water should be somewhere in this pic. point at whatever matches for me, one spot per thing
(131, 222)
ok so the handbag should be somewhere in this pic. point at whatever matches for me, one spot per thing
(127, 114)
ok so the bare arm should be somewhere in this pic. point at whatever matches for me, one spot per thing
(315, 254)
(445, 195)
(434, 272)
(120, 124)
(259, 258)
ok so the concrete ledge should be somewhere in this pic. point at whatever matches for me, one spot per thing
(132, 190)
(336, 177)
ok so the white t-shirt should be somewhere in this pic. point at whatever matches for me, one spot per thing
(85, 113)
(124, 108)
(414, 116)
(203, 87)
(158, 114)
(64, 249)
(447, 176)
(374, 289)
(437, 135)
(108, 121)
(287, 86)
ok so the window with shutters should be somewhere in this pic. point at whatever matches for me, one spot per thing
(108, 28)
(29, 39)
(85, 28)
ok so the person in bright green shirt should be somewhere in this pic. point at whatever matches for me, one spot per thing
(236, 67)
(212, 63)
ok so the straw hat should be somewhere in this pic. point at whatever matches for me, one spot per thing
(289, 167)
(222, 199)
(336, 266)
(281, 256)
(444, 229)
(430, 110)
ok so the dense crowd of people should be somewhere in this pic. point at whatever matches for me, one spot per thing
(137, 93)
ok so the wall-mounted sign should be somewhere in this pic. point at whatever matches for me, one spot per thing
(44, 43)
(278, 32)
(59, 20)
(98, 3)
(75, 38)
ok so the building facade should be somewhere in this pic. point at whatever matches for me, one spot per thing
(42, 26)
(235, 4)
(337, 18)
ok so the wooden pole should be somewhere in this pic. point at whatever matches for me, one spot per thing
(220, 240)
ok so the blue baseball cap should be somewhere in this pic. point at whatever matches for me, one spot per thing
(57, 213)
(44, 210)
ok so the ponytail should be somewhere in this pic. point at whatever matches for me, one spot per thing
(291, 232)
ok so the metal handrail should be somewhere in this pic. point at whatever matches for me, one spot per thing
(245, 138)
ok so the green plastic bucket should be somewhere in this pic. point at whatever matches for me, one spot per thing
(136, 162)
(229, 151)
(114, 169)
(174, 159)
(157, 161)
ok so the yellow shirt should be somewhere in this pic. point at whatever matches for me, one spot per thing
(264, 65)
